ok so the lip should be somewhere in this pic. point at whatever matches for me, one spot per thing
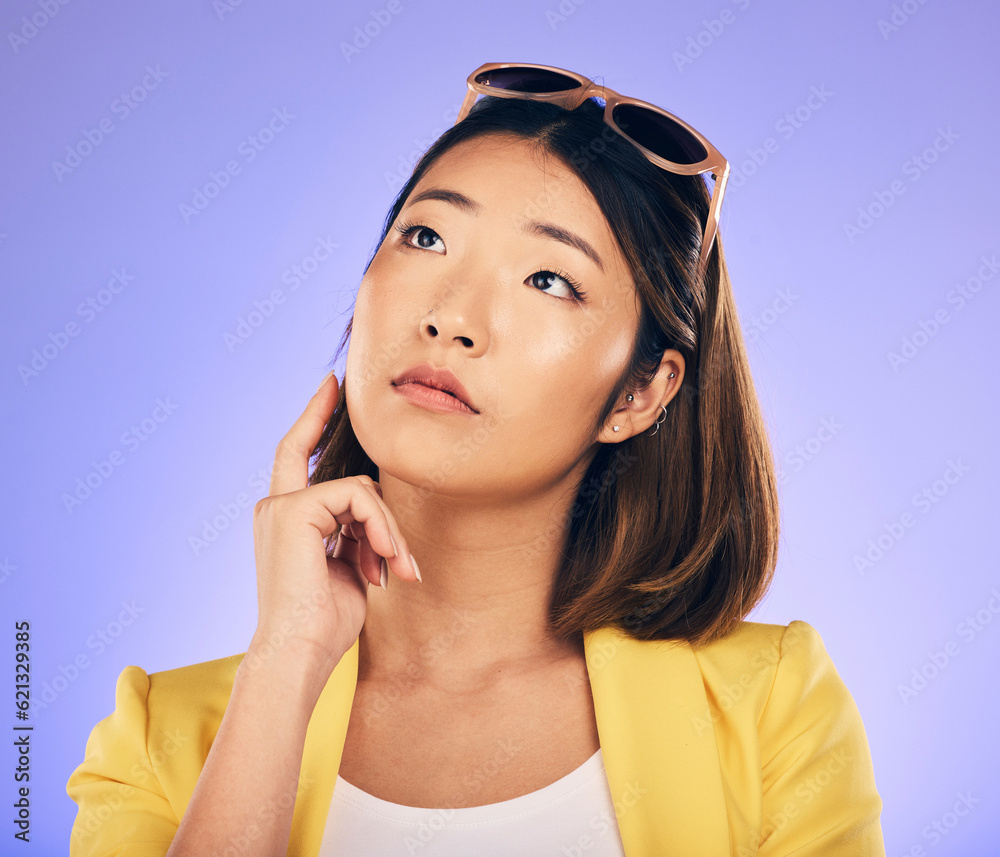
(426, 378)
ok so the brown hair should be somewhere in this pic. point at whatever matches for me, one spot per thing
(683, 545)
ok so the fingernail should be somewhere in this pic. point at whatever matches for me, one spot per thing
(384, 578)
(326, 378)
(395, 550)
(416, 568)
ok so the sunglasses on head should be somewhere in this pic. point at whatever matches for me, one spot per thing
(668, 142)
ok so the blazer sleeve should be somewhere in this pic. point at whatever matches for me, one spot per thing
(819, 794)
(121, 809)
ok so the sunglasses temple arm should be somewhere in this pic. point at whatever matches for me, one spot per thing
(470, 99)
(712, 226)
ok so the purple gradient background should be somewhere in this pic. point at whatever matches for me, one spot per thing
(822, 311)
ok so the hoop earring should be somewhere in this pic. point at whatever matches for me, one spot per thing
(663, 416)
(656, 425)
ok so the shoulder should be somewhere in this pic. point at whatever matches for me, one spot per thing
(145, 757)
(756, 675)
(201, 683)
(752, 653)
(773, 670)
(776, 700)
(779, 684)
(748, 655)
(170, 714)
(190, 700)
(791, 740)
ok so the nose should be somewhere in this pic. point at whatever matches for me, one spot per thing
(456, 320)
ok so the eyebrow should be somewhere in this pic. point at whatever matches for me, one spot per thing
(535, 227)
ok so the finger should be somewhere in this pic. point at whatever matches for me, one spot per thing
(356, 550)
(349, 549)
(336, 567)
(402, 564)
(363, 517)
(369, 519)
(362, 556)
(291, 458)
(370, 562)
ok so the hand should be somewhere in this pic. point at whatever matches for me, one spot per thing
(312, 604)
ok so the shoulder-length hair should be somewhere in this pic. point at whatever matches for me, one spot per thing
(672, 535)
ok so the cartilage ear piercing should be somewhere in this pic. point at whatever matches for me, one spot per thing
(671, 375)
(629, 398)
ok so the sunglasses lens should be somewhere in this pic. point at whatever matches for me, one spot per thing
(660, 134)
(519, 79)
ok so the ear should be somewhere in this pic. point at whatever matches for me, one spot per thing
(637, 416)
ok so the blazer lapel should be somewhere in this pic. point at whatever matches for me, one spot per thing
(664, 773)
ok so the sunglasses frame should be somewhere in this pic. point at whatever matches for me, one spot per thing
(569, 99)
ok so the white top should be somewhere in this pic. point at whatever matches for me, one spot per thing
(572, 817)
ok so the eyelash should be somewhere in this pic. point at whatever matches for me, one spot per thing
(406, 229)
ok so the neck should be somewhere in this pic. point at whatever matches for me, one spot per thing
(482, 606)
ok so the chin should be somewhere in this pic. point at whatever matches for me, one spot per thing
(430, 464)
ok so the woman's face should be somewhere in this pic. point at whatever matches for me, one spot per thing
(481, 284)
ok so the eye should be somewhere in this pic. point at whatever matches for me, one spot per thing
(564, 281)
(422, 233)
(422, 237)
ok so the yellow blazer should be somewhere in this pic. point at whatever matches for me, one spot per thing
(750, 745)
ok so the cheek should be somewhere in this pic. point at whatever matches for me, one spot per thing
(581, 362)
(376, 335)
(357, 371)
(555, 401)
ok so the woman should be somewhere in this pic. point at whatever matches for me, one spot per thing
(547, 402)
